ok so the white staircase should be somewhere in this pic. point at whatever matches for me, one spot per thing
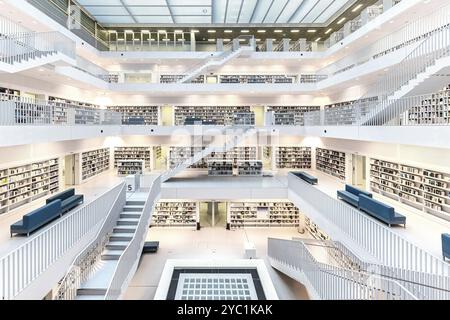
(234, 136)
(97, 284)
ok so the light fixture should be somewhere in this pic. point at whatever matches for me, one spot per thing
(226, 40)
(145, 31)
(328, 31)
(128, 31)
(318, 39)
(228, 31)
(112, 31)
(166, 39)
(278, 31)
(357, 8)
(181, 39)
(245, 31)
(311, 31)
(295, 31)
(211, 31)
(195, 31)
(341, 20)
(261, 31)
(162, 31)
(178, 31)
(258, 39)
(211, 40)
(120, 39)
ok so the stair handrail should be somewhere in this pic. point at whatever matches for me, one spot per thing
(282, 250)
(84, 262)
(128, 261)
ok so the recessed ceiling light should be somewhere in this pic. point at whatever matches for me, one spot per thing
(278, 31)
(245, 31)
(226, 39)
(328, 31)
(162, 31)
(318, 39)
(341, 20)
(145, 31)
(178, 31)
(295, 30)
(195, 31)
(357, 8)
(211, 40)
(228, 31)
(128, 31)
(311, 31)
(261, 31)
(211, 31)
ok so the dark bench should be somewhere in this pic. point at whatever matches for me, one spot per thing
(37, 218)
(150, 247)
(69, 199)
(306, 177)
(351, 195)
(446, 245)
(380, 211)
(135, 121)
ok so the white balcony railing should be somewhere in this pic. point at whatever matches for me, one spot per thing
(25, 264)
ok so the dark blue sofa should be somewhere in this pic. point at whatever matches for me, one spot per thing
(306, 177)
(380, 211)
(69, 199)
(446, 245)
(135, 121)
(351, 195)
(37, 218)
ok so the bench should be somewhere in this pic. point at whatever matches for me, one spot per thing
(69, 199)
(37, 218)
(381, 211)
(133, 121)
(150, 247)
(445, 245)
(351, 195)
(306, 177)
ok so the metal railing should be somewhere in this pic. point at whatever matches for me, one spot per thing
(332, 282)
(16, 110)
(24, 47)
(22, 266)
(129, 259)
(85, 262)
(388, 247)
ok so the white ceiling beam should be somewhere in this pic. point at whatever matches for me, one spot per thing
(300, 6)
(128, 10)
(254, 10)
(170, 11)
(279, 15)
(313, 7)
(240, 10)
(226, 12)
(267, 12)
(326, 8)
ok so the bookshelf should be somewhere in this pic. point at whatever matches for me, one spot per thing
(220, 167)
(22, 184)
(421, 188)
(219, 115)
(344, 112)
(148, 113)
(132, 153)
(175, 214)
(262, 214)
(314, 230)
(293, 157)
(249, 168)
(331, 162)
(291, 115)
(257, 79)
(178, 155)
(94, 162)
(433, 110)
(127, 167)
(174, 78)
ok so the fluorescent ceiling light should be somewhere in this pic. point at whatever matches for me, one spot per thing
(295, 31)
(228, 31)
(128, 31)
(211, 40)
(261, 31)
(162, 31)
(357, 8)
(311, 31)
(195, 31)
(328, 31)
(165, 39)
(318, 39)
(178, 31)
(245, 31)
(278, 31)
(226, 39)
(112, 31)
(181, 39)
(342, 20)
(211, 31)
(145, 31)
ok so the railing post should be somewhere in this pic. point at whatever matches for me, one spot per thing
(219, 45)
(286, 42)
(269, 45)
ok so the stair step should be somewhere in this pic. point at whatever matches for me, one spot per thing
(117, 245)
(135, 203)
(111, 254)
(91, 292)
(130, 215)
(121, 237)
(133, 208)
(90, 297)
(124, 229)
(127, 222)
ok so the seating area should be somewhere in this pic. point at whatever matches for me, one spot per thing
(351, 195)
(306, 177)
(381, 211)
(445, 245)
(55, 207)
(69, 199)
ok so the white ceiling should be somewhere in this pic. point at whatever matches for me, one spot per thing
(214, 11)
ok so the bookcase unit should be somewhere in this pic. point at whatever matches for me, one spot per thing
(291, 115)
(25, 183)
(433, 110)
(175, 214)
(148, 113)
(424, 189)
(262, 214)
(220, 167)
(257, 78)
(178, 155)
(174, 78)
(220, 115)
(344, 112)
(132, 153)
(249, 168)
(331, 162)
(94, 162)
(127, 167)
(293, 157)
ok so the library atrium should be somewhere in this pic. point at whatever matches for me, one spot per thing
(224, 150)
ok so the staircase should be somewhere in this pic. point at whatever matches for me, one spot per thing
(96, 286)
(418, 69)
(238, 135)
(217, 61)
(331, 282)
